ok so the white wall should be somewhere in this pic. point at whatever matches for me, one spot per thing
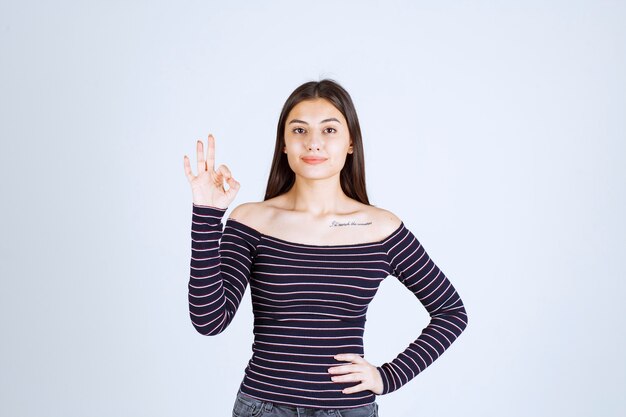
(495, 130)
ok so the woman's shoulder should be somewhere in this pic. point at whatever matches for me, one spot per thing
(268, 217)
(243, 210)
(252, 214)
(387, 222)
(258, 212)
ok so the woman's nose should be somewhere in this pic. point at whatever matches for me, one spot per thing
(313, 142)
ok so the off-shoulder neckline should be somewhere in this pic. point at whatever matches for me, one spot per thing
(309, 245)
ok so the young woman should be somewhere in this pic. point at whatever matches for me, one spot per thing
(314, 252)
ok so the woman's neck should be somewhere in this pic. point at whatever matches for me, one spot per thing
(317, 197)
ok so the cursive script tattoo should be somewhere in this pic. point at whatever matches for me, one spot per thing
(348, 223)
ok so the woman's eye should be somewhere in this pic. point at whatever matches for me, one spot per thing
(330, 130)
(298, 130)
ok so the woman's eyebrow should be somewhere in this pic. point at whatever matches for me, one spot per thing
(332, 119)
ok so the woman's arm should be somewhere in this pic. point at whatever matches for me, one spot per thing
(220, 262)
(220, 269)
(410, 263)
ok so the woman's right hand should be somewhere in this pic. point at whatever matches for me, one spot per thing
(208, 186)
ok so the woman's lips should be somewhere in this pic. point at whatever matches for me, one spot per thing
(312, 160)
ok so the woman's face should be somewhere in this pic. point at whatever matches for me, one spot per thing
(317, 139)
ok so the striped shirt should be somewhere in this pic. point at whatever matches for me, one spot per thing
(309, 304)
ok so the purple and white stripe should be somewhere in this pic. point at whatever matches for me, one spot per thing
(310, 303)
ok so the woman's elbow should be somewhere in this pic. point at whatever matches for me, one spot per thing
(211, 328)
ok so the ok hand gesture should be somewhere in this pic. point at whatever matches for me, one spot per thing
(208, 186)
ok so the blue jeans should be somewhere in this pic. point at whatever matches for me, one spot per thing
(246, 406)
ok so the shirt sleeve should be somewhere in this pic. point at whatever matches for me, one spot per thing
(220, 269)
(410, 263)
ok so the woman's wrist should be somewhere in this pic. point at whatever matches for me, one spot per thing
(208, 205)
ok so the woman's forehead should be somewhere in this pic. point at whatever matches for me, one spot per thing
(315, 110)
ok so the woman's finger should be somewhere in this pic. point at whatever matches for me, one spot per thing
(344, 369)
(352, 357)
(357, 388)
(217, 178)
(351, 377)
(233, 187)
(223, 169)
(210, 156)
(188, 168)
(200, 157)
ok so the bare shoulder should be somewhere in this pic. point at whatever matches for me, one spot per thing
(252, 214)
(386, 221)
(242, 211)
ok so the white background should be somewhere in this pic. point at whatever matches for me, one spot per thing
(495, 130)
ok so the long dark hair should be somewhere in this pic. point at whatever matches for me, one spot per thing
(352, 176)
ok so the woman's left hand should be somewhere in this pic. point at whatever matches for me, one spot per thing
(359, 370)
